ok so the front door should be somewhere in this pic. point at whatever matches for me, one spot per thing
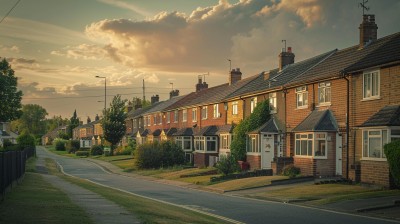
(267, 150)
(338, 155)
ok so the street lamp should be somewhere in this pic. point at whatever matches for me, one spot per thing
(105, 92)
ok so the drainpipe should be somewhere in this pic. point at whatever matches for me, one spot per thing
(347, 124)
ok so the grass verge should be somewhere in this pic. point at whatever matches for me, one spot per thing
(37, 201)
(148, 211)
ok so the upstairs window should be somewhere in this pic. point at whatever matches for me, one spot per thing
(159, 118)
(272, 103)
(235, 108)
(204, 113)
(301, 97)
(168, 118)
(324, 93)
(371, 81)
(215, 111)
(184, 115)
(176, 117)
(194, 114)
(155, 122)
(253, 104)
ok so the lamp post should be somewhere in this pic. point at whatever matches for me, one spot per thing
(105, 92)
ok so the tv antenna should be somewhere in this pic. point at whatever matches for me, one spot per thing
(363, 6)
(172, 84)
(204, 76)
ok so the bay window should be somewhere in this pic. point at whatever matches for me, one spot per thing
(311, 145)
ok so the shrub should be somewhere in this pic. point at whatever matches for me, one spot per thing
(155, 155)
(73, 146)
(227, 165)
(26, 140)
(59, 144)
(290, 171)
(96, 150)
(172, 154)
(7, 143)
(82, 153)
(121, 150)
(392, 152)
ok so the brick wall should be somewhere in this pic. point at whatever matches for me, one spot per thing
(306, 165)
(235, 118)
(375, 172)
(202, 159)
(254, 161)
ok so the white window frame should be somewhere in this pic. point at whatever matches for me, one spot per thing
(272, 103)
(253, 104)
(371, 85)
(225, 141)
(301, 97)
(367, 136)
(216, 110)
(324, 93)
(253, 144)
(168, 118)
(155, 120)
(235, 107)
(201, 144)
(184, 115)
(311, 139)
(176, 116)
(159, 118)
(194, 114)
(183, 141)
(204, 113)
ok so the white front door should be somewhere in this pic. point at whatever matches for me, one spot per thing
(338, 155)
(267, 150)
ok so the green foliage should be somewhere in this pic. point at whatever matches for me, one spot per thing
(63, 135)
(26, 140)
(155, 155)
(74, 122)
(96, 150)
(82, 153)
(55, 122)
(392, 152)
(291, 171)
(113, 122)
(59, 144)
(227, 165)
(259, 116)
(32, 120)
(10, 106)
(7, 143)
(121, 150)
(73, 145)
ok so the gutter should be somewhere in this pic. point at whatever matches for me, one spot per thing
(347, 123)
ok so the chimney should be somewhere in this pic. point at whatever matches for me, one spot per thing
(368, 30)
(88, 120)
(138, 104)
(129, 107)
(285, 58)
(173, 93)
(235, 76)
(155, 99)
(201, 85)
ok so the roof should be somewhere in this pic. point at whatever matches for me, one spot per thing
(156, 132)
(269, 126)
(135, 113)
(318, 121)
(224, 129)
(387, 116)
(184, 132)
(160, 106)
(278, 78)
(144, 133)
(170, 132)
(206, 131)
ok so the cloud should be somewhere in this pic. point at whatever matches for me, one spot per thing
(83, 51)
(125, 5)
(13, 48)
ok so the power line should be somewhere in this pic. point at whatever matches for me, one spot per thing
(8, 13)
(77, 97)
(126, 88)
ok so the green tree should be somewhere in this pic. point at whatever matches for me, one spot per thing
(113, 122)
(10, 106)
(392, 152)
(73, 123)
(55, 122)
(32, 120)
(259, 116)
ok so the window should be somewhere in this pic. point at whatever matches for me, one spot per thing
(185, 142)
(373, 142)
(225, 141)
(235, 108)
(253, 104)
(145, 121)
(253, 145)
(148, 120)
(272, 103)
(205, 143)
(159, 118)
(155, 122)
(371, 84)
(184, 115)
(215, 111)
(168, 118)
(176, 117)
(204, 113)
(304, 144)
(395, 135)
(320, 149)
(194, 114)
(301, 97)
(324, 92)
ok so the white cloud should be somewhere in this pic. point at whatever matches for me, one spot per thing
(126, 5)
(83, 51)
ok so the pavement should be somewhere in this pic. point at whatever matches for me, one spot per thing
(99, 209)
(382, 207)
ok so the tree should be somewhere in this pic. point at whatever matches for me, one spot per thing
(55, 122)
(32, 120)
(259, 116)
(113, 122)
(73, 123)
(10, 106)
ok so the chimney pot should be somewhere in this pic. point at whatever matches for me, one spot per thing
(289, 49)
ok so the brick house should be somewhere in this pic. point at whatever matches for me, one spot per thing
(6, 133)
(48, 138)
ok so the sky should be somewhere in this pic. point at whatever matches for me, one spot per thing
(57, 47)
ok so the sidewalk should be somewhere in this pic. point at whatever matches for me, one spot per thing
(99, 209)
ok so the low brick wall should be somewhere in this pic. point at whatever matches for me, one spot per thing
(254, 161)
(202, 159)
(279, 163)
(375, 172)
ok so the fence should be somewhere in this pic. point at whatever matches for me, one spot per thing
(12, 167)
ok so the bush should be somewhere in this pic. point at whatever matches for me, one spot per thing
(73, 146)
(290, 171)
(227, 165)
(392, 152)
(121, 150)
(7, 143)
(59, 144)
(155, 155)
(96, 150)
(26, 140)
(82, 153)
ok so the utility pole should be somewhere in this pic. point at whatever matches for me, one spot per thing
(144, 96)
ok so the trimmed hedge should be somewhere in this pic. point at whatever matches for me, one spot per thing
(155, 155)
(227, 165)
(82, 153)
(392, 152)
(96, 150)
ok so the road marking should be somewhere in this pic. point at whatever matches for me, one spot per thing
(106, 171)
(157, 200)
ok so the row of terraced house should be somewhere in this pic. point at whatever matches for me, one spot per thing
(330, 114)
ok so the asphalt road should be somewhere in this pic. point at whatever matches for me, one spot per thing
(237, 209)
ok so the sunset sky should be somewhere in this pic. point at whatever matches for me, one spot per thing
(57, 47)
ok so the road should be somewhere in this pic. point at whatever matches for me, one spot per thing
(241, 210)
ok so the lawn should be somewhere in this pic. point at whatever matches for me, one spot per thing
(247, 183)
(37, 201)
